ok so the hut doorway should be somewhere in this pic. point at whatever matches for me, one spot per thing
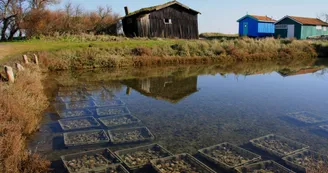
(245, 30)
(290, 31)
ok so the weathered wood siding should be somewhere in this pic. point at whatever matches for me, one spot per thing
(184, 24)
(143, 26)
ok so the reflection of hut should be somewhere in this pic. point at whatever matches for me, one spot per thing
(164, 88)
(287, 72)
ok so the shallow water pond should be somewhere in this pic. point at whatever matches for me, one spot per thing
(194, 107)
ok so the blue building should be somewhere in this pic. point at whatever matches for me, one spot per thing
(256, 26)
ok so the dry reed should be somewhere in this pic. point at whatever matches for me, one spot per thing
(183, 52)
(21, 106)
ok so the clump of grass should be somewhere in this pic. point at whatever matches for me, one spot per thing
(21, 106)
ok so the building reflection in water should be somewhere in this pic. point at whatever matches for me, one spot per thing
(170, 89)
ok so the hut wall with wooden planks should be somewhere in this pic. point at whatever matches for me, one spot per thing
(170, 20)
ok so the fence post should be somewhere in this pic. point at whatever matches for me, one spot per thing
(25, 59)
(36, 59)
(10, 74)
(19, 67)
(128, 91)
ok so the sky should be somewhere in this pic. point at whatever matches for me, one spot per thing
(220, 15)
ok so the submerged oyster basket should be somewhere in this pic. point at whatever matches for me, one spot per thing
(79, 105)
(119, 121)
(69, 88)
(70, 93)
(112, 111)
(265, 165)
(130, 135)
(194, 165)
(81, 138)
(109, 102)
(74, 113)
(306, 117)
(74, 98)
(78, 123)
(299, 161)
(294, 146)
(239, 152)
(125, 155)
(90, 161)
(93, 87)
(116, 168)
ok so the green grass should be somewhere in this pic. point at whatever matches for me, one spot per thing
(11, 49)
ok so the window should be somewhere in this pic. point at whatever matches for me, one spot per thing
(281, 26)
(168, 21)
(325, 28)
(319, 27)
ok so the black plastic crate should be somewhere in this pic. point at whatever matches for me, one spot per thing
(303, 160)
(269, 166)
(74, 98)
(80, 105)
(70, 93)
(130, 135)
(119, 121)
(74, 113)
(112, 111)
(182, 163)
(116, 168)
(70, 88)
(290, 145)
(306, 117)
(78, 123)
(89, 161)
(97, 93)
(109, 102)
(82, 138)
(93, 87)
(222, 153)
(139, 157)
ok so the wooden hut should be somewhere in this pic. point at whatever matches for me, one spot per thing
(300, 27)
(169, 20)
(256, 26)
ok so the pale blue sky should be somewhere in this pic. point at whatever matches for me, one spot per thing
(221, 15)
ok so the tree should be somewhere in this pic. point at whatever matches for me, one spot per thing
(9, 11)
(13, 13)
(323, 16)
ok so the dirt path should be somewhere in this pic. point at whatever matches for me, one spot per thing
(5, 50)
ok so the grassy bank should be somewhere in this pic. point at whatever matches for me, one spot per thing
(21, 106)
(140, 53)
(242, 49)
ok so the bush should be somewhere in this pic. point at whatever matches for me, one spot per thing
(21, 107)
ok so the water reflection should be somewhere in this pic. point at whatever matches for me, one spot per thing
(171, 89)
(310, 70)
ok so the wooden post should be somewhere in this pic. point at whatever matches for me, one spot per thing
(36, 59)
(128, 91)
(10, 74)
(19, 67)
(25, 59)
